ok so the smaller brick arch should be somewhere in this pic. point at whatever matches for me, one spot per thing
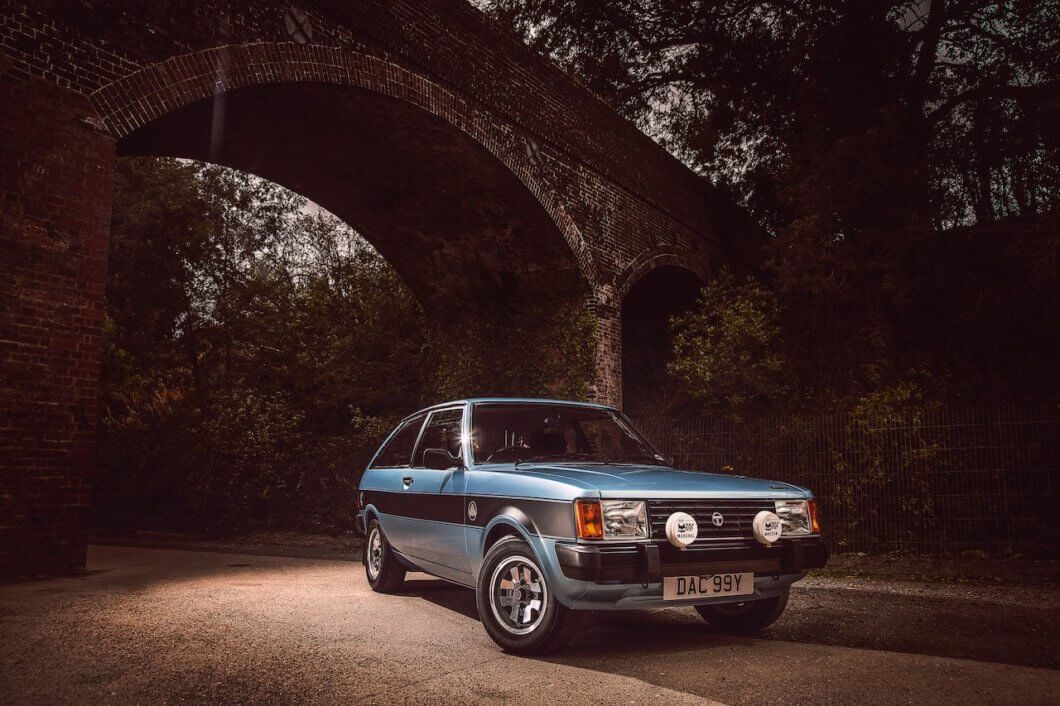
(641, 266)
(653, 290)
(148, 94)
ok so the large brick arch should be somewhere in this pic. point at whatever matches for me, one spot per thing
(81, 81)
(133, 101)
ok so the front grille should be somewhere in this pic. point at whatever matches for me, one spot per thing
(738, 516)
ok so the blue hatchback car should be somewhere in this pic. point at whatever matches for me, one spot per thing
(546, 508)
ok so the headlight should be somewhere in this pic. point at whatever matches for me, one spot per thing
(624, 519)
(797, 516)
(612, 519)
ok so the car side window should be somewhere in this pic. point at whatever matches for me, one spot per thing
(442, 432)
(398, 451)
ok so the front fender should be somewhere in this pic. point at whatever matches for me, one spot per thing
(512, 518)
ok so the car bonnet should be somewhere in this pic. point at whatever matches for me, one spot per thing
(648, 481)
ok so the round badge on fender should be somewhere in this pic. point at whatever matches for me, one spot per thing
(766, 527)
(681, 529)
(472, 511)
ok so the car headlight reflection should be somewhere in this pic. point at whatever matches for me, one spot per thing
(624, 519)
(797, 516)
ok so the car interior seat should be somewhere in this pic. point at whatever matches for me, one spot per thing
(545, 443)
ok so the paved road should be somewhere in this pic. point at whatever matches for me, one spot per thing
(164, 625)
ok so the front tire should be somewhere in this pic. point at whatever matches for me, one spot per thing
(744, 618)
(515, 604)
(385, 574)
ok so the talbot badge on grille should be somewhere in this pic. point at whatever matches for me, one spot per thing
(718, 519)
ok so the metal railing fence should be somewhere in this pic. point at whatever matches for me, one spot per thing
(929, 480)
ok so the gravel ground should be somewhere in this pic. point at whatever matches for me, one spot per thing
(150, 625)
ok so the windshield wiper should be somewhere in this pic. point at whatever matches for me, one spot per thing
(640, 458)
(562, 457)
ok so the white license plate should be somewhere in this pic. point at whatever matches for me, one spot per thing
(676, 588)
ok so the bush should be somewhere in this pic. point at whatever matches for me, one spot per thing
(727, 350)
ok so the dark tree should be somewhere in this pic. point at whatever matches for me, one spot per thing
(859, 134)
(860, 113)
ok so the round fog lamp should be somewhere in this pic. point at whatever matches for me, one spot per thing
(766, 527)
(681, 529)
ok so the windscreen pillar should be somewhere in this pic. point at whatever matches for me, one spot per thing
(56, 177)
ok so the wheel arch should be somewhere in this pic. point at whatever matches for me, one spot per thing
(507, 521)
(370, 513)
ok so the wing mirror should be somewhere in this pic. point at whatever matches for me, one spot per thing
(440, 460)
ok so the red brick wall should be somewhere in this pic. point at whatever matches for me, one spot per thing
(55, 192)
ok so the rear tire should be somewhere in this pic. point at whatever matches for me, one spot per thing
(744, 618)
(516, 605)
(385, 574)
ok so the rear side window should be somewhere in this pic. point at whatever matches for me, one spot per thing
(442, 432)
(398, 451)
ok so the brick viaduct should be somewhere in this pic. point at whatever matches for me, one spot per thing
(467, 160)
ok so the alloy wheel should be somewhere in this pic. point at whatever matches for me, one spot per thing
(518, 595)
(375, 553)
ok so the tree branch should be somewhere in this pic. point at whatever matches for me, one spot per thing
(937, 17)
(664, 78)
(1026, 94)
(928, 52)
(619, 19)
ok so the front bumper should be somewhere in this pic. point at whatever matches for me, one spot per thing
(650, 562)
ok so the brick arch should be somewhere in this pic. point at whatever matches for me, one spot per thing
(154, 91)
(641, 266)
(580, 182)
(651, 290)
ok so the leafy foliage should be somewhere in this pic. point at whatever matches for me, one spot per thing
(787, 100)
(543, 348)
(727, 349)
(256, 351)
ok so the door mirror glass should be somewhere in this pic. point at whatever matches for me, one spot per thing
(440, 459)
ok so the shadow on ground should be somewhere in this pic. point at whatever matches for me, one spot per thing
(1020, 633)
(152, 625)
(1008, 624)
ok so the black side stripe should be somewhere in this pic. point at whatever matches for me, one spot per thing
(554, 519)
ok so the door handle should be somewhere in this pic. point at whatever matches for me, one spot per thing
(407, 480)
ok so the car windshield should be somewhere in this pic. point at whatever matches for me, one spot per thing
(506, 433)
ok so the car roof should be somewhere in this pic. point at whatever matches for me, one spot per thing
(509, 400)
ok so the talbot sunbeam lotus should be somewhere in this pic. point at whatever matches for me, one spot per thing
(546, 508)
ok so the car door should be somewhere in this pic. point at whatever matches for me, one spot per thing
(435, 498)
(385, 483)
